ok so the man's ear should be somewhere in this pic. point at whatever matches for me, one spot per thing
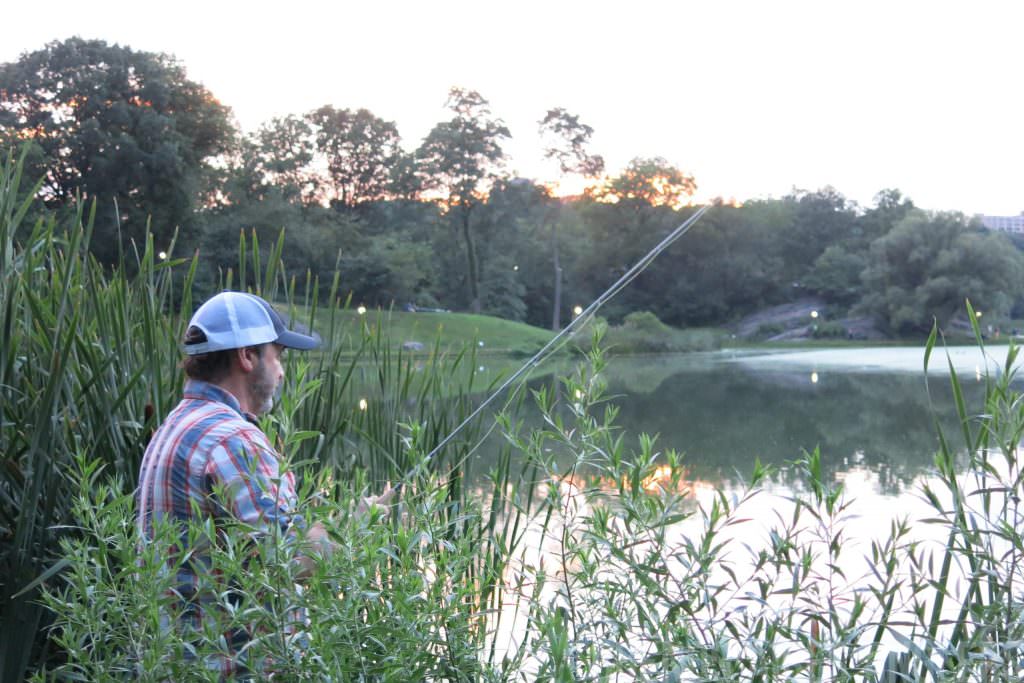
(248, 358)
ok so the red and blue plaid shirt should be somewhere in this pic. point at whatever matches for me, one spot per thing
(209, 460)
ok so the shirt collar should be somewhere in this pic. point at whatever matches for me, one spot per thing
(199, 390)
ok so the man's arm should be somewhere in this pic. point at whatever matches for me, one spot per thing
(260, 495)
(319, 541)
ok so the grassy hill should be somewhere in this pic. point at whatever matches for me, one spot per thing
(639, 333)
(451, 330)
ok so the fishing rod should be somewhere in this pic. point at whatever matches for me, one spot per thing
(552, 345)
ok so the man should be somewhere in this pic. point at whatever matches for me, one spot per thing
(210, 462)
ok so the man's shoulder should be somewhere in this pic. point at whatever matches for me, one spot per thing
(222, 421)
(215, 422)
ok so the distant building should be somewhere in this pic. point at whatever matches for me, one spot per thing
(1004, 223)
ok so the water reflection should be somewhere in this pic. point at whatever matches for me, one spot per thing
(863, 407)
(724, 416)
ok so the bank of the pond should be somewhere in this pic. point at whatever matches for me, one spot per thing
(421, 333)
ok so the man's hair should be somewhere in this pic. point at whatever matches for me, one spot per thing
(208, 367)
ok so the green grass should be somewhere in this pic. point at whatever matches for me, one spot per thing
(447, 331)
(490, 336)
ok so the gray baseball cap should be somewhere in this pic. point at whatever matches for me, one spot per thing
(233, 320)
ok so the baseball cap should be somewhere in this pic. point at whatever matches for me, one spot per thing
(233, 320)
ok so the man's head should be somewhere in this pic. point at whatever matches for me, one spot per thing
(236, 340)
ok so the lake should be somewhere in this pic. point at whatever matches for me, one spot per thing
(864, 408)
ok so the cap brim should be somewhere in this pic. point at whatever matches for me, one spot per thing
(300, 342)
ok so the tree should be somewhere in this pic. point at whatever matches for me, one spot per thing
(284, 150)
(513, 252)
(929, 263)
(890, 208)
(360, 149)
(836, 274)
(459, 159)
(650, 182)
(567, 143)
(405, 182)
(628, 215)
(820, 219)
(114, 125)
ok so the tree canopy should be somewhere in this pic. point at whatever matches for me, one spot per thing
(925, 267)
(445, 225)
(360, 149)
(651, 181)
(459, 159)
(115, 125)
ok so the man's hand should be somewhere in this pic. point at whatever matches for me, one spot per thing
(380, 501)
(318, 538)
(319, 543)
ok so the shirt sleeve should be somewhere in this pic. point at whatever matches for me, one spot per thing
(245, 479)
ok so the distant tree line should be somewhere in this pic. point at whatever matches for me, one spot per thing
(446, 225)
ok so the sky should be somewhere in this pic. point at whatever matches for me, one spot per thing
(752, 98)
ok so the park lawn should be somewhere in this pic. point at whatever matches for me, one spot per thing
(452, 332)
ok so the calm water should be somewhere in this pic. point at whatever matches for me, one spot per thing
(867, 410)
(864, 408)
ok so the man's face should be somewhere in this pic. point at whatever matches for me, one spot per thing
(266, 379)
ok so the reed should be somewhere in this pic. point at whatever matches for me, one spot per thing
(84, 352)
(88, 366)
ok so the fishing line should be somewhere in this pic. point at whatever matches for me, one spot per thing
(560, 338)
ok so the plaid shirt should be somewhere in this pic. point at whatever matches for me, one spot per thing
(209, 460)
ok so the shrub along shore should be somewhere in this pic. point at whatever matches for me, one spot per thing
(567, 563)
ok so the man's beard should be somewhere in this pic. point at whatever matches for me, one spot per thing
(263, 390)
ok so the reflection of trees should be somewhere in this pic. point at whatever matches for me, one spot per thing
(723, 418)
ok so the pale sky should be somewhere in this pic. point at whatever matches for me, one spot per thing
(753, 98)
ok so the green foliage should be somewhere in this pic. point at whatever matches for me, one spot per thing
(360, 149)
(836, 275)
(922, 270)
(567, 142)
(459, 159)
(595, 556)
(656, 588)
(443, 225)
(281, 152)
(642, 332)
(829, 330)
(116, 125)
(388, 604)
(645, 322)
(86, 359)
(88, 366)
(818, 219)
(651, 182)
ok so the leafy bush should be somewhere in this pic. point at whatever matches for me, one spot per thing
(642, 332)
(386, 605)
(770, 329)
(645, 322)
(830, 330)
(88, 365)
